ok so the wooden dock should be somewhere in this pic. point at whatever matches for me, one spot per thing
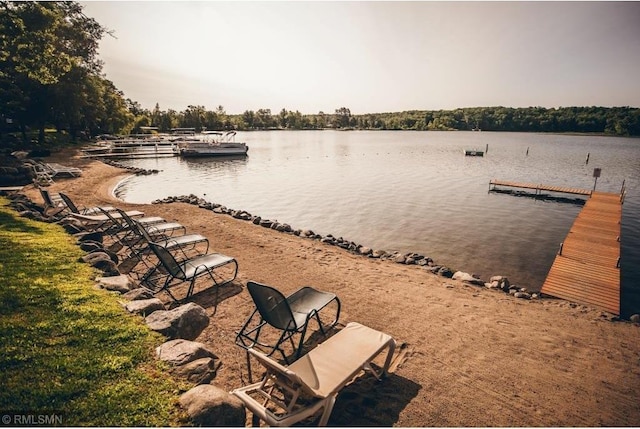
(587, 267)
(537, 187)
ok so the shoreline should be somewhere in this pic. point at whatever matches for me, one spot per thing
(472, 356)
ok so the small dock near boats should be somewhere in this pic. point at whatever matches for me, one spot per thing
(537, 187)
(587, 267)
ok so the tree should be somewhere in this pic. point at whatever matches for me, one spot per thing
(343, 115)
(43, 42)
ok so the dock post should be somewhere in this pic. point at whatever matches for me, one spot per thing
(560, 250)
(618, 263)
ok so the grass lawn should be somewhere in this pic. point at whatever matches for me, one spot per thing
(69, 348)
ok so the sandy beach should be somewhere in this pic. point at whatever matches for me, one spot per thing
(468, 355)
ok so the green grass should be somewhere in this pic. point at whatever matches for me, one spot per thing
(68, 347)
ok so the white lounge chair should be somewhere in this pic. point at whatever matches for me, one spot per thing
(280, 399)
(59, 169)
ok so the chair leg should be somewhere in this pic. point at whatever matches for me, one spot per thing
(249, 367)
(328, 408)
(302, 335)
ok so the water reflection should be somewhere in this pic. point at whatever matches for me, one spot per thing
(233, 164)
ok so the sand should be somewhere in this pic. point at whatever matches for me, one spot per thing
(467, 356)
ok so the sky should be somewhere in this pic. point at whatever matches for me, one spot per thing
(371, 56)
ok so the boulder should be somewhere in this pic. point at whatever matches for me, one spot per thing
(119, 283)
(90, 236)
(102, 261)
(138, 293)
(445, 272)
(91, 246)
(210, 406)
(144, 307)
(186, 321)
(180, 352)
(378, 253)
(199, 371)
(468, 278)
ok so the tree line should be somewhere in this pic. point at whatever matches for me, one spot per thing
(51, 79)
(619, 121)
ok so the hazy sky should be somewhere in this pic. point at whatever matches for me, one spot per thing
(371, 56)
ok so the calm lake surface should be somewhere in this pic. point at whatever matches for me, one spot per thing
(416, 192)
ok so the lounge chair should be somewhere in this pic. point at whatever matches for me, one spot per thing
(185, 269)
(57, 169)
(290, 315)
(41, 177)
(161, 234)
(159, 226)
(53, 205)
(71, 206)
(288, 394)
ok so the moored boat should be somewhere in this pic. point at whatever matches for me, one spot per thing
(215, 143)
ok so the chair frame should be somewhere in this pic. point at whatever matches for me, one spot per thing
(202, 265)
(296, 303)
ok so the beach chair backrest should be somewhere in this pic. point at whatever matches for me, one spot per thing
(47, 198)
(137, 228)
(281, 372)
(168, 261)
(69, 203)
(272, 306)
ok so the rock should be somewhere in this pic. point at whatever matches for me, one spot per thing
(138, 293)
(91, 246)
(399, 259)
(307, 233)
(364, 250)
(635, 318)
(103, 262)
(186, 321)
(445, 272)
(144, 306)
(211, 406)
(180, 352)
(90, 236)
(522, 295)
(466, 277)
(378, 253)
(199, 371)
(119, 283)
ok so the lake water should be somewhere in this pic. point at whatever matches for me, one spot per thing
(416, 192)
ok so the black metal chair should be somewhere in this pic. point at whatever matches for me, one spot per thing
(84, 210)
(189, 270)
(291, 315)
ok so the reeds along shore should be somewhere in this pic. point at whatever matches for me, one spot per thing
(471, 356)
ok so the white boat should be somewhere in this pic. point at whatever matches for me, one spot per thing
(214, 143)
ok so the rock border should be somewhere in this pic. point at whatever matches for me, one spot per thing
(495, 282)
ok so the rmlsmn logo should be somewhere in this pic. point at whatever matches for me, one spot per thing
(32, 419)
